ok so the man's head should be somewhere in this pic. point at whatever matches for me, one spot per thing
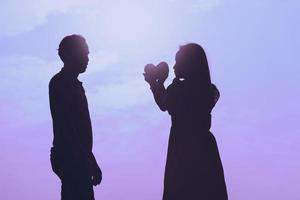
(73, 51)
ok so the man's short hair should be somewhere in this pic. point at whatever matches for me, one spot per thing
(71, 44)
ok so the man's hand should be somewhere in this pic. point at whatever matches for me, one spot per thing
(96, 175)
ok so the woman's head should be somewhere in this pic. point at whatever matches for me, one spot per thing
(191, 63)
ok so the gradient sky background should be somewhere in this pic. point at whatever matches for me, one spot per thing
(253, 52)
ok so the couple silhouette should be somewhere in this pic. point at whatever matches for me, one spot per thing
(193, 168)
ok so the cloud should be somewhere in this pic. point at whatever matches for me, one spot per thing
(121, 95)
(198, 5)
(117, 86)
(25, 86)
(205, 4)
(110, 86)
(19, 16)
(101, 61)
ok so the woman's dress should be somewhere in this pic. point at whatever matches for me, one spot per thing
(193, 169)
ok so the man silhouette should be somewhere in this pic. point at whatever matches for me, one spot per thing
(71, 155)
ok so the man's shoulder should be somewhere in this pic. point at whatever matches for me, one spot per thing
(57, 81)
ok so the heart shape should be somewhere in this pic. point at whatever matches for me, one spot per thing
(160, 71)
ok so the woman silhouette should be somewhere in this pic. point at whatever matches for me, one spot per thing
(193, 169)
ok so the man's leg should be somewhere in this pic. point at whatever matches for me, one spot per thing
(77, 188)
(76, 183)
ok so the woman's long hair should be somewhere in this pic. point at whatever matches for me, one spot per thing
(197, 70)
(195, 62)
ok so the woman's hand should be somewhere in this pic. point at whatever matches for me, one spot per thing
(162, 71)
(150, 74)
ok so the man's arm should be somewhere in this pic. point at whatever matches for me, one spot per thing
(63, 117)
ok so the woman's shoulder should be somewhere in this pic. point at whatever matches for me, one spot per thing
(176, 85)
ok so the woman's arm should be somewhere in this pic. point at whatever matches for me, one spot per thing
(156, 77)
(159, 92)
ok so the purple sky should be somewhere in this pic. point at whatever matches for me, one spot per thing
(252, 48)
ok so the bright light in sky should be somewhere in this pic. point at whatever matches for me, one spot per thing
(252, 48)
(135, 26)
(130, 23)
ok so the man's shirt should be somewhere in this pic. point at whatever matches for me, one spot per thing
(70, 114)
